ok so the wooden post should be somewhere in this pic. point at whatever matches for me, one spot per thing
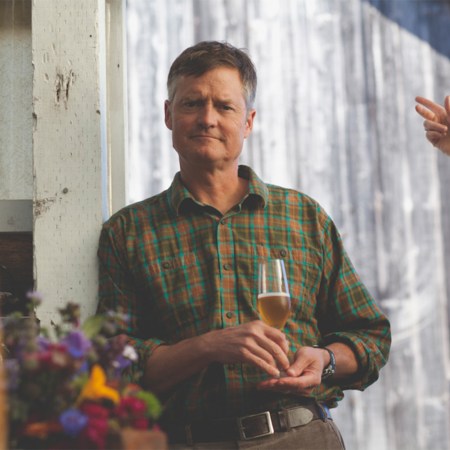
(69, 150)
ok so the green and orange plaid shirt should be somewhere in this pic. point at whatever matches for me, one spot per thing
(179, 268)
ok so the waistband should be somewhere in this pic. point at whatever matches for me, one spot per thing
(250, 427)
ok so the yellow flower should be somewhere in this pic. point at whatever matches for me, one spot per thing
(96, 387)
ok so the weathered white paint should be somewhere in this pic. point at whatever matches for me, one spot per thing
(67, 151)
(16, 72)
(63, 134)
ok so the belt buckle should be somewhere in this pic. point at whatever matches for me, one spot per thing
(241, 426)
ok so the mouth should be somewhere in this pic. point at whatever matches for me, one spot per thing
(204, 136)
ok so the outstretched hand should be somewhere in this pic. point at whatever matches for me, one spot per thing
(302, 376)
(437, 122)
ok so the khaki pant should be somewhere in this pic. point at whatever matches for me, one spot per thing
(317, 435)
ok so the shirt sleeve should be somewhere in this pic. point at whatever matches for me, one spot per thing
(117, 292)
(349, 314)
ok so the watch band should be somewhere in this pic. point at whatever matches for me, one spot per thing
(331, 368)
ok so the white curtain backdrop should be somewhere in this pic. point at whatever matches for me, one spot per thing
(335, 119)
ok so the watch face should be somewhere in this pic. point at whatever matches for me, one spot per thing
(327, 372)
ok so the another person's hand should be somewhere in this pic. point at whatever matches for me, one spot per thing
(437, 122)
(303, 375)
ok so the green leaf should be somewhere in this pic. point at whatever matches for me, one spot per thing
(92, 326)
(153, 405)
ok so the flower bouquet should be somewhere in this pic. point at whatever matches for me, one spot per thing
(65, 384)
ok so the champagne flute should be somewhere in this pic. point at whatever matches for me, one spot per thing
(274, 301)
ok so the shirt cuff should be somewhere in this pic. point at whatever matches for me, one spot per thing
(144, 348)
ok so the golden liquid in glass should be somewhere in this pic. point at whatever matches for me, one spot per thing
(274, 308)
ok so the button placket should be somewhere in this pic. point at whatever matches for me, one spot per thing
(225, 248)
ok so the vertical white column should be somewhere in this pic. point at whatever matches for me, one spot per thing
(67, 151)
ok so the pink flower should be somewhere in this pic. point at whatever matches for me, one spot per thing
(132, 411)
(131, 407)
(96, 430)
(92, 409)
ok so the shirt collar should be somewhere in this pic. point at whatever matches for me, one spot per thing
(257, 195)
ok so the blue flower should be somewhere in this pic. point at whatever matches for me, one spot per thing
(77, 344)
(73, 421)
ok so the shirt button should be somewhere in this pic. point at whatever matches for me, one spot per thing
(223, 221)
(283, 253)
(166, 265)
(229, 315)
(227, 266)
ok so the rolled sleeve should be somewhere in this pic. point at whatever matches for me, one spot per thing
(350, 314)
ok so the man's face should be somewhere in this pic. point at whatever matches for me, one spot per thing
(208, 118)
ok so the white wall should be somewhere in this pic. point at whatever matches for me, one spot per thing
(335, 119)
(16, 74)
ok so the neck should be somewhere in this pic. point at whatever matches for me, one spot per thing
(220, 189)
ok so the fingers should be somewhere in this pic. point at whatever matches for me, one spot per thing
(425, 113)
(428, 107)
(273, 342)
(447, 107)
(436, 127)
(303, 375)
(302, 385)
(434, 137)
(264, 356)
(252, 343)
(434, 113)
(437, 120)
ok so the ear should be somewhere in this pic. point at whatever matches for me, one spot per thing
(249, 123)
(167, 115)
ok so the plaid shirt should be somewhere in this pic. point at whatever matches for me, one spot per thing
(179, 268)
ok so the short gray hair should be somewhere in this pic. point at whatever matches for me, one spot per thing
(208, 55)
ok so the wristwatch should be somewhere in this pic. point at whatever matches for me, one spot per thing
(331, 368)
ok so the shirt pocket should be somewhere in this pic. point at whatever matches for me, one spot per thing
(179, 293)
(304, 278)
(303, 270)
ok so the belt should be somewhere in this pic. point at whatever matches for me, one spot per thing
(250, 427)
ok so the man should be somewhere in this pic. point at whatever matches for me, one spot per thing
(183, 265)
(437, 122)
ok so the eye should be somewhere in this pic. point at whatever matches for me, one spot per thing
(226, 107)
(190, 103)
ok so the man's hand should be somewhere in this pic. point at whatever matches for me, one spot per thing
(303, 375)
(251, 343)
(437, 122)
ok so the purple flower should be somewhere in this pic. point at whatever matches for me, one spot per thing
(35, 296)
(43, 343)
(12, 367)
(73, 421)
(121, 363)
(83, 368)
(77, 344)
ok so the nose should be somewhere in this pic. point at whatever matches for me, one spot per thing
(207, 116)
